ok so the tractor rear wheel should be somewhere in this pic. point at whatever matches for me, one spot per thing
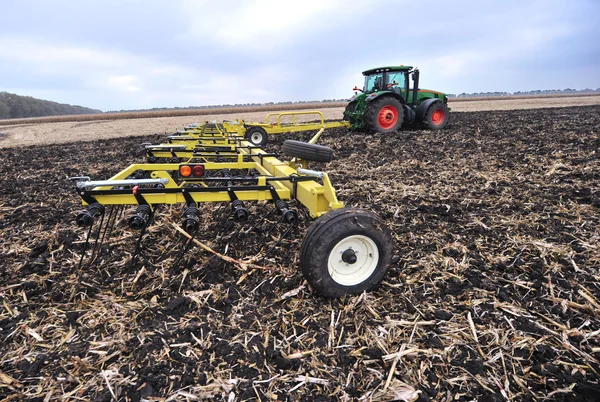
(257, 136)
(437, 116)
(346, 251)
(307, 151)
(384, 115)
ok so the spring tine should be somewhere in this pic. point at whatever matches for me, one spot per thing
(108, 229)
(139, 239)
(226, 223)
(85, 247)
(261, 213)
(219, 212)
(119, 210)
(266, 235)
(249, 225)
(95, 248)
(186, 247)
(288, 230)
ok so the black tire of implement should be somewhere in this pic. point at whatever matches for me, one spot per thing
(326, 232)
(306, 151)
(252, 130)
(350, 107)
(372, 112)
(428, 122)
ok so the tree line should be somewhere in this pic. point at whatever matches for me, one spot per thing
(527, 93)
(17, 106)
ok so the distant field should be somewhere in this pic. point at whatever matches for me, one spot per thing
(38, 131)
(170, 113)
(267, 108)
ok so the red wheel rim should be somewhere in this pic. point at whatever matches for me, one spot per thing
(387, 117)
(437, 117)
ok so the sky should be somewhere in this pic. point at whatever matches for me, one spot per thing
(136, 54)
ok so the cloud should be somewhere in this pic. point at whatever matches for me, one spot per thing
(125, 83)
(138, 81)
(263, 25)
(123, 55)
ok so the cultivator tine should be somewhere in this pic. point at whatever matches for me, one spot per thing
(86, 219)
(283, 235)
(140, 221)
(252, 223)
(288, 215)
(87, 242)
(98, 238)
(220, 211)
(106, 233)
(191, 225)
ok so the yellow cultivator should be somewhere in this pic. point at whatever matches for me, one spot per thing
(346, 250)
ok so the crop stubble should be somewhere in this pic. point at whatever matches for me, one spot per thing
(494, 289)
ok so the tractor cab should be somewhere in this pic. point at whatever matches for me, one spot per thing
(381, 80)
(387, 100)
(391, 79)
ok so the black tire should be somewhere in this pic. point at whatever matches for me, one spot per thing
(348, 229)
(257, 136)
(350, 108)
(306, 151)
(381, 105)
(437, 116)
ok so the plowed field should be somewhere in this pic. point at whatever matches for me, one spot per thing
(494, 292)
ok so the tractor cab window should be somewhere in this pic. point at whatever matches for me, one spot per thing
(374, 82)
(396, 80)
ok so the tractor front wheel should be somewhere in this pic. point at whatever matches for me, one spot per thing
(384, 115)
(257, 136)
(346, 251)
(437, 116)
(350, 108)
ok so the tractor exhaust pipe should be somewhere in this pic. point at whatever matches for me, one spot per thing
(415, 88)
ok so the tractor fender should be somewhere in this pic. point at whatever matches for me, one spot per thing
(377, 95)
(422, 108)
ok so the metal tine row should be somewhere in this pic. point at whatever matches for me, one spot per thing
(232, 217)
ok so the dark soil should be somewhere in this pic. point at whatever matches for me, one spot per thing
(494, 292)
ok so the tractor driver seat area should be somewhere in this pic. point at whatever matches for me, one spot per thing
(378, 85)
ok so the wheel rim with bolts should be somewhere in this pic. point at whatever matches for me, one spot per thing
(387, 117)
(256, 137)
(437, 117)
(353, 260)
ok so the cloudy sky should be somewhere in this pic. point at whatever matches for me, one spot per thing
(132, 54)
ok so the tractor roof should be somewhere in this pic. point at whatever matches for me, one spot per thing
(388, 68)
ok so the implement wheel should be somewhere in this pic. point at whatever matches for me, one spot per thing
(257, 136)
(384, 115)
(306, 151)
(437, 116)
(346, 251)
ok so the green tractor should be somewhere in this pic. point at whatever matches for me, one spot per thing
(386, 102)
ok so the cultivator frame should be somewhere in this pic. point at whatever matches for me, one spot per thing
(254, 132)
(213, 163)
(276, 180)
